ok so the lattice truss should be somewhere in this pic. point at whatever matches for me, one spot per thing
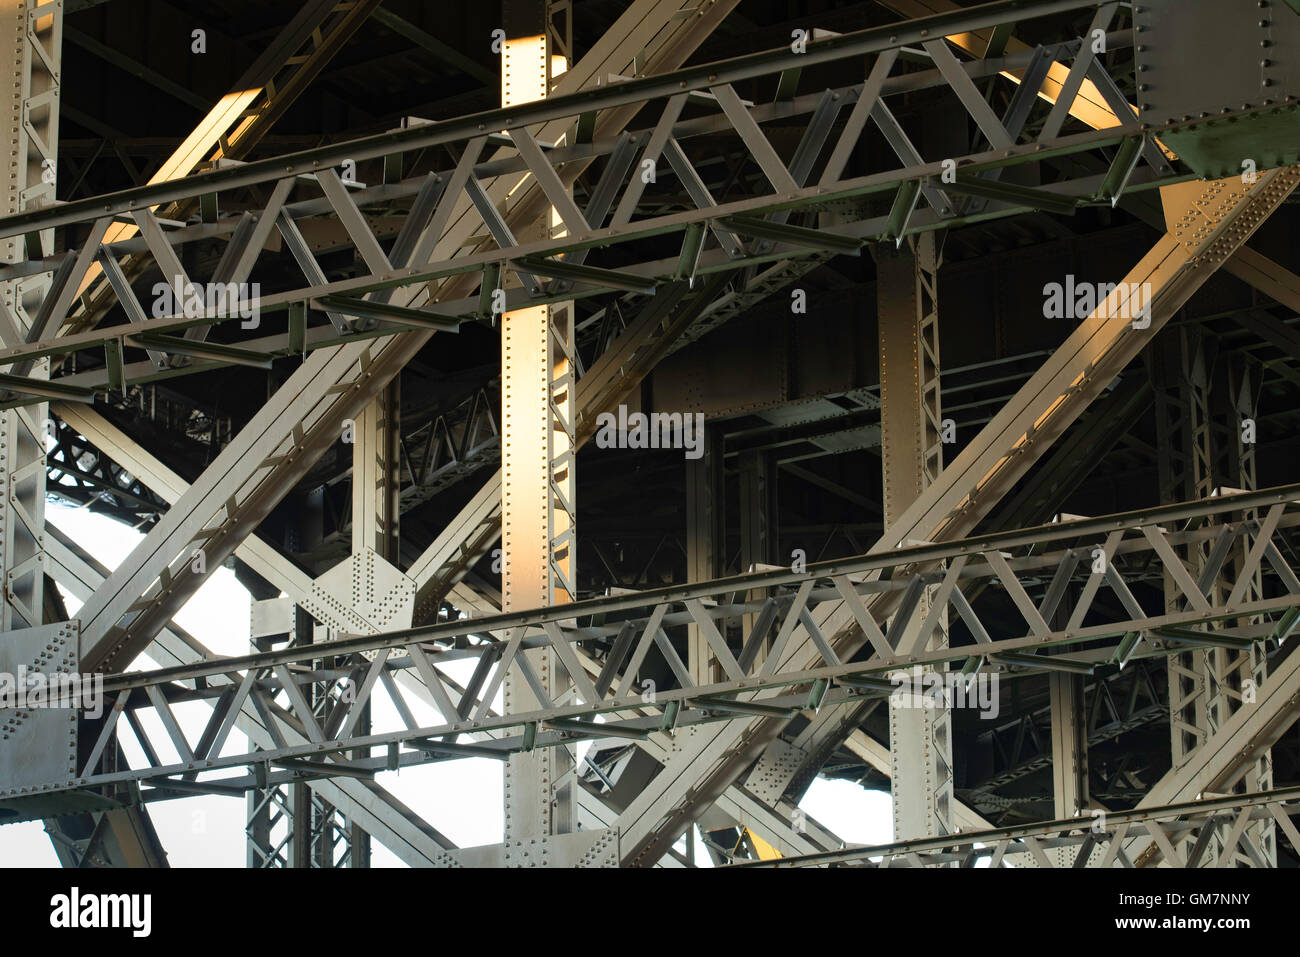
(715, 237)
(81, 473)
(1110, 840)
(1119, 703)
(1089, 595)
(291, 826)
(440, 211)
(1092, 571)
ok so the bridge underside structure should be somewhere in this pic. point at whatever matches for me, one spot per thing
(965, 341)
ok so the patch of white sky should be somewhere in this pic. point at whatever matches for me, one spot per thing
(461, 798)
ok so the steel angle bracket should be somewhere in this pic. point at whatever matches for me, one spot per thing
(399, 315)
(610, 278)
(1013, 195)
(792, 235)
(200, 349)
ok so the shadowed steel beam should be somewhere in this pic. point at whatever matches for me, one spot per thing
(242, 117)
(427, 41)
(566, 103)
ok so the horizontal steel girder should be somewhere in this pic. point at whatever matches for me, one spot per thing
(1008, 565)
(1094, 840)
(560, 107)
(653, 273)
(1209, 222)
(767, 239)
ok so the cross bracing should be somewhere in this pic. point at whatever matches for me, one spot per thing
(758, 679)
(1094, 836)
(428, 216)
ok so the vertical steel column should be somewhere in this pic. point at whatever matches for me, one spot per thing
(267, 807)
(297, 797)
(705, 540)
(289, 825)
(300, 823)
(30, 50)
(375, 476)
(274, 836)
(920, 738)
(1069, 752)
(1236, 676)
(757, 479)
(319, 826)
(537, 465)
(376, 507)
(257, 830)
(269, 831)
(1201, 405)
(1169, 361)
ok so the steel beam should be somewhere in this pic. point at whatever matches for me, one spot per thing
(1200, 418)
(399, 829)
(1088, 103)
(705, 538)
(920, 738)
(376, 510)
(1071, 840)
(31, 50)
(275, 449)
(1215, 220)
(776, 822)
(494, 643)
(1069, 749)
(538, 455)
(239, 120)
(1228, 756)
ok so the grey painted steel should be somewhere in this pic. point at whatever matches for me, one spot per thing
(267, 458)
(1072, 840)
(428, 649)
(1214, 220)
(412, 840)
(562, 106)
